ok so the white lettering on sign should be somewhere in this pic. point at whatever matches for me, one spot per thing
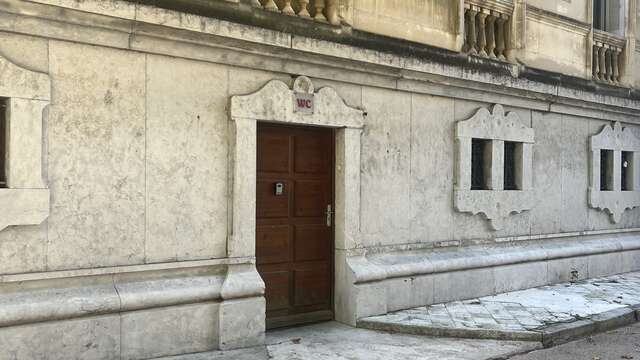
(303, 103)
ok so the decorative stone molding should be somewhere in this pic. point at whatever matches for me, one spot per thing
(495, 203)
(615, 201)
(277, 103)
(25, 201)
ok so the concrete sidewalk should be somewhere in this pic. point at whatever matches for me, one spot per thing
(334, 341)
(550, 314)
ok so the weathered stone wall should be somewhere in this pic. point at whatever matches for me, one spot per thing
(408, 164)
(433, 22)
(575, 9)
(137, 160)
(138, 156)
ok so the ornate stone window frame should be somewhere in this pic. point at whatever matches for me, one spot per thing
(495, 203)
(274, 103)
(25, 200)
(614, 202)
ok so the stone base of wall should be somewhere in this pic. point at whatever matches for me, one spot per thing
(382, 283)
(137, 315)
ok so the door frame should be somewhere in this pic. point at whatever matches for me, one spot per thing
(314, 316)
(274, 103)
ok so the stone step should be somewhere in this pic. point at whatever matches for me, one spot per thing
(550, 314)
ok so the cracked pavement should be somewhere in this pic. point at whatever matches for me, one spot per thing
(526, 310)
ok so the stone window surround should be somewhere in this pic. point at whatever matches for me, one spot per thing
(25, 200)
(274, 103)
(614, 202)
(496, 204)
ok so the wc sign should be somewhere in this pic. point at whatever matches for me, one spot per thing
(303, 103)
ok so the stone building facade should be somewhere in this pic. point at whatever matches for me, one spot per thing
(179, 175)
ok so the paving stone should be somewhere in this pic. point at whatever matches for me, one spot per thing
(555, 312)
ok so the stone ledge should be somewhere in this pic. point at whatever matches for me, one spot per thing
(61, 299)
(425, 262)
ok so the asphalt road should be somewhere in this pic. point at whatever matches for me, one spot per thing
(620, 344)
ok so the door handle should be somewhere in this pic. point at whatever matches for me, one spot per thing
(329, 212)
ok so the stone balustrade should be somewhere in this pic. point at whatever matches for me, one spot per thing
(608, 59)
(487, 29)
(318, 10)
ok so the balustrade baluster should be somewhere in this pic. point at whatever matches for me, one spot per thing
(287, 9)
(595, 68)
(332, 12)
(615, 62)
(482, 32)
(491, 35)
(304, 12)
(471, 28)
(609, 61)
(319, 6)
(602, 62)
(500, 45)
(271, 6)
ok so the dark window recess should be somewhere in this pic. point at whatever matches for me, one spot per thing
(627, 171)
(3, 142)
(511, 150)
(606, 170)
(599, 14)
(479, 164)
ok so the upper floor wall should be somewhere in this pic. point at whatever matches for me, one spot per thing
(589, 39)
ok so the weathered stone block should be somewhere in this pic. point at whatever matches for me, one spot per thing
(242, 323)
(88, 338)
(169, 331)
(409, 292)
(463, 285)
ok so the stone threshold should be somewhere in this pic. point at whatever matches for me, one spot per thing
(550, 315)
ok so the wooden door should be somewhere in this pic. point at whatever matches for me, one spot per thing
(294, 223)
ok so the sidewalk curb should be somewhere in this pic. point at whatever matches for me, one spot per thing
(563, 333)
(450, 332)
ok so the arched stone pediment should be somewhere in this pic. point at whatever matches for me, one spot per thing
(276, 102)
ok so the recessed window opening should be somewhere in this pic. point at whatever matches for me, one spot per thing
(512, 168)
(606, 170)
(609, 16)
(3, 142)
(480, 164)
(627, 171)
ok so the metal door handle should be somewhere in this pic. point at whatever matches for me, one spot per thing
(329, 213)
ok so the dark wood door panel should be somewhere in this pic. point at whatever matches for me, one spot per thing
(311, 197)
(311, 286)
(272, 244)
(310, 242)
(273, 152)
(277, 290)
(312, 154)
(294, 242)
